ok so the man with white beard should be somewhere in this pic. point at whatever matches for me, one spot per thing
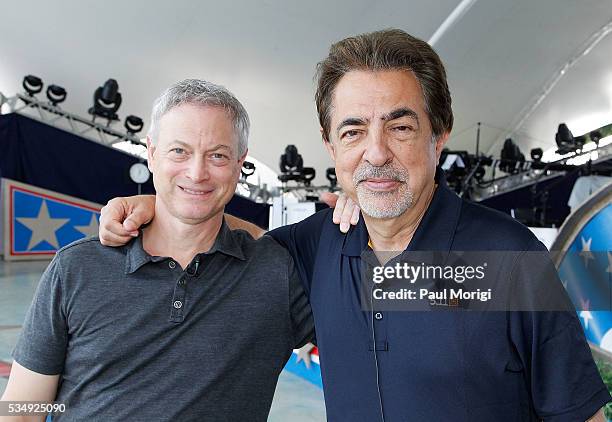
(385, 114)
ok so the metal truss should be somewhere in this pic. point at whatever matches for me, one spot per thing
(88, 128)
(55, 116)
(530, 176)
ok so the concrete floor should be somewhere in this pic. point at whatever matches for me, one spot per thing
(296, 400)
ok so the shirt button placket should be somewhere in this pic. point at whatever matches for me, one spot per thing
(178, 298)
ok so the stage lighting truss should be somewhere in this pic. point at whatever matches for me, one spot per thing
(594, 150)
(53, 115)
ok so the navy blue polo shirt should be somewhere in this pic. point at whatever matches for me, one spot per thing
(437, 366)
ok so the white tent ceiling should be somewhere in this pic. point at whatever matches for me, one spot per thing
(500, 55)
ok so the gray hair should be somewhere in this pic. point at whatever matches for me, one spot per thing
(199, 92)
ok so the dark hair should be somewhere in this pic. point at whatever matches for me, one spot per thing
(389, 49)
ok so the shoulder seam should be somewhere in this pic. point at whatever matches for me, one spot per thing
(77, 243)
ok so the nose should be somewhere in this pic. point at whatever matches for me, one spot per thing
(377, 151)
(197, 170)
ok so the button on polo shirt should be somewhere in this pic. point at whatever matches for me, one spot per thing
(144, 341)
(446, 365)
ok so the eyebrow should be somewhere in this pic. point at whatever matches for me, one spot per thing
(185, 144)
(392, 115)
(401, 112)
(178, 142)
(218, 147)
(350, 121)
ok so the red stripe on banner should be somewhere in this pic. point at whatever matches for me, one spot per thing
(53, 198)
(12, 190)
(11, 222)
(5, 369)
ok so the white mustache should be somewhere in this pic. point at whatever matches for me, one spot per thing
(384, 172)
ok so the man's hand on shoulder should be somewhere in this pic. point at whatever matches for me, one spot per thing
(121, 218)
(346, 211)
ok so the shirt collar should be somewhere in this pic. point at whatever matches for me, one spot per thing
(136, 256)
(225, 243)
(435, 232)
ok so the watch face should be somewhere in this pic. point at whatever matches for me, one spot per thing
(139, 173)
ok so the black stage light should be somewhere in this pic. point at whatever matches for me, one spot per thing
(133, 124)
(566, 141)
(291, 160)
(56, 94)
(291, 164)
(456, 165)
(511, 157)
(595, 136)
(536, 154)
(330, 174)
(479, 173)
(32, 84)
(308, 174)
(247, 169)
(107, 100)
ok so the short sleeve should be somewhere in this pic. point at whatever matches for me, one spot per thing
(302, 321)
(564, 381)
(41, 346)
(302, 241)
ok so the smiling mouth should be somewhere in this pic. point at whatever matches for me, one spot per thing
(195, 192)
(381, 184)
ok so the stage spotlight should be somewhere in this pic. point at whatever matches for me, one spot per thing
(595, 136)
(479, 174)
(308, 175)
(291, 164)
(536, 154)
(566, 141)
(511, 157)
(32, 84)
(330, 175)
(56, 94)
(107, 100)
(133, 124)
(291, 160)
(247, 169)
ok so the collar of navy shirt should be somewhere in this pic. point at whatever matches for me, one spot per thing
(225, 243)
(436, 231)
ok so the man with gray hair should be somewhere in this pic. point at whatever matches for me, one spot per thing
(385, 112)
(188, 321)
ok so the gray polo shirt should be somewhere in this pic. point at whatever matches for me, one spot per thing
(136, 338)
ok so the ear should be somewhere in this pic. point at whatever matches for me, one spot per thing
(150, 153)
(241, 160)
(239, 163)
(440, 143)
(244, 156)
(328, 145)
